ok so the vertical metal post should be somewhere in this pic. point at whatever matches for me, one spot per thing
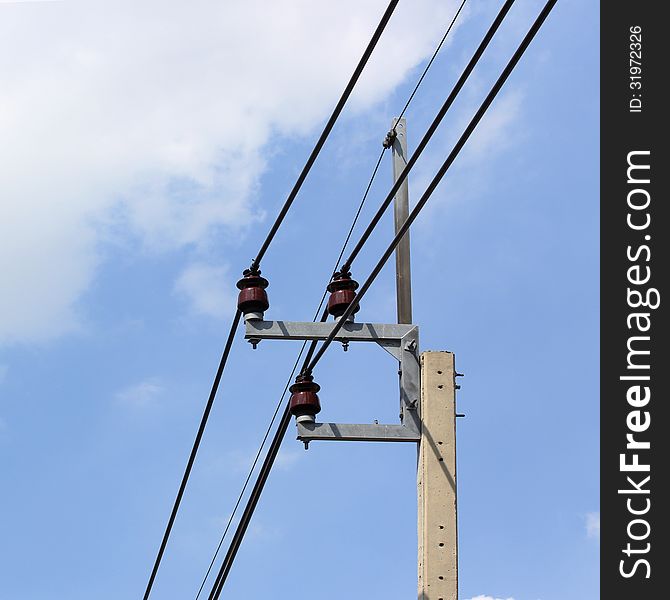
(400, 212)
(436, 479)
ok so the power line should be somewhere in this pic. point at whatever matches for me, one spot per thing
(286, 416)
(194, 451)
(424, 141)
(432, 59)
(255, 264)
(325, 314)
(293, 370)
(251, 504)
(314, 343)
(253, 466)
(434, 183)
(269, 460)
(429, 134)
(324, 135)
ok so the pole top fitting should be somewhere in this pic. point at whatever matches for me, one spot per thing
(342, 274)
(389, 139)
(254, 269)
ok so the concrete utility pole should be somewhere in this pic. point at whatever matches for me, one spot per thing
(400, 213)
(436, 479)
(436, 473)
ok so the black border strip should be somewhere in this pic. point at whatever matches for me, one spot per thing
(634, 240)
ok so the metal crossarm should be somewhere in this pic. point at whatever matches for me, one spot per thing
(401, 341)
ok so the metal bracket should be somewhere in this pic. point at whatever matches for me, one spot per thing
(401, 341)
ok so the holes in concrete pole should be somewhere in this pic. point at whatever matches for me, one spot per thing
(441, 578)
(441, 545)
(441, 526)
(441, 459)
(439, 387)
(439, 372)
(439, 443)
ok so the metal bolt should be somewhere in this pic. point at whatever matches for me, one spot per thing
(345, 345)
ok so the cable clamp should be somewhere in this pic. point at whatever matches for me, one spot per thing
(389, 139)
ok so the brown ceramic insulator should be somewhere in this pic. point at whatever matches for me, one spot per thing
(252, 296)
(304, 400)
(342, 293)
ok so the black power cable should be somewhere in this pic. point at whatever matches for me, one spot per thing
(255, 265)
(194, 451)
(286, 416)
(324, 135)
(324, 315)
(346, 267)
(431, 61)
(253, 466)
(251, 504)
(290, 377)
(434, 183)
(313, 344)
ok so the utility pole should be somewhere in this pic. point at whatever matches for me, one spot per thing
(436, 479)
(403, 271)
(427, 405)
(436, 470)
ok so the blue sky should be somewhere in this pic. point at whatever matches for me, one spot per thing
(145, 148)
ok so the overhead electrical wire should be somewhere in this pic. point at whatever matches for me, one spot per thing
(290, 377)
(324, 135)
(194, 451)
(429, 133)
(434, 183)
(323, 297)
(431, 61)
(286, 416)
(313, 344)
(254, 267)
(251, 470)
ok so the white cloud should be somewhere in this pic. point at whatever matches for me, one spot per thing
(286, 459)
(3, 425)
(593, 525)
(498, 129)
(150, 120)
(498, 132)
(261, 532)
(238, 461)
(140, 395)
(208, 289)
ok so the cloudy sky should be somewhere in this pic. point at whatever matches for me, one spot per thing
(144, 149)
